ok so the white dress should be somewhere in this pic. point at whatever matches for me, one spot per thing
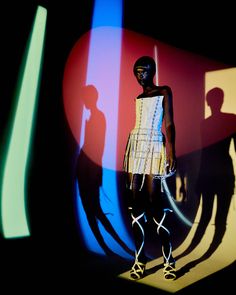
(145, 150)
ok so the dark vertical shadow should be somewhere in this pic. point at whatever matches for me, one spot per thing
(216, 174)
(181, 172)
(89, 173)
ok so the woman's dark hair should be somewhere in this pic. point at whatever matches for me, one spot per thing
(144, 61)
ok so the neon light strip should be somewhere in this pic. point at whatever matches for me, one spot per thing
(14, 215)
(107, 13)
(175, 208)
(156, 60)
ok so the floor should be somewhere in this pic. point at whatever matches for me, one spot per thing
(56, 264)
(65, 268)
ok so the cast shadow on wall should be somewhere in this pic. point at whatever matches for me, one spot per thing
(89, 174)
(216, 179)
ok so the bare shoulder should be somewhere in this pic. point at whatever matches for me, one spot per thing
(165, 90)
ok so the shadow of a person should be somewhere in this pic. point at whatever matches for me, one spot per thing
(216, 175)
(181, 171)
(89, 171)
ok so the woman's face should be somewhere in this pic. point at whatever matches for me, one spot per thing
(143, 74)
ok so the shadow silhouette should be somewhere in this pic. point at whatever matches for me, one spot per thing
(187, 267)
(216, 175)
(153, 269)
(181, 172)
(89, 172)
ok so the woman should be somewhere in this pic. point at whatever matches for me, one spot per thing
(146, 164)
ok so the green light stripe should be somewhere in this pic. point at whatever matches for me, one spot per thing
(13, 203)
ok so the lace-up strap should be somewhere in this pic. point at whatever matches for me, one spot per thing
(169, 271)
(137, 270)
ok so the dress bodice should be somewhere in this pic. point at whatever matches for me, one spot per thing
(149, 113)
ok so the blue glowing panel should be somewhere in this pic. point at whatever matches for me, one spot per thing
(107, 13)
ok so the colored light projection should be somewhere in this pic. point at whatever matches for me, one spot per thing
(210, 244)
(97, 107)
(100, 110)
(14, 180)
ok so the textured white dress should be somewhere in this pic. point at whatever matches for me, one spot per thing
(145, 150)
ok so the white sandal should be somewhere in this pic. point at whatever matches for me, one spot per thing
(138, 270)
(169, 271)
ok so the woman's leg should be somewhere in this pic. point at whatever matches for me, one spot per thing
(137, 211)
(160, 211)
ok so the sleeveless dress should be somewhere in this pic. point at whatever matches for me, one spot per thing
(145, 150)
